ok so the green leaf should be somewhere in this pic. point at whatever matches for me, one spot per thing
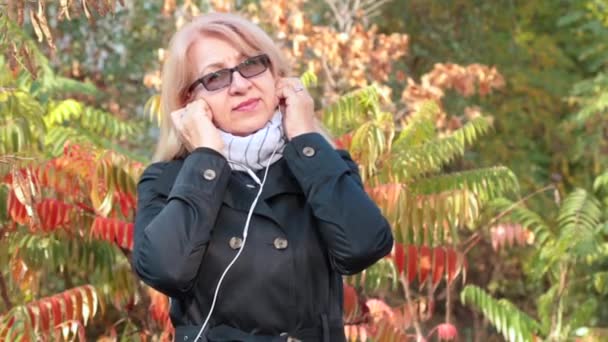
(514, 324)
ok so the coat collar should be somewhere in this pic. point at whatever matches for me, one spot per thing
(237, 196)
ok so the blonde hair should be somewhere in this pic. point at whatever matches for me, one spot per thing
(177, 76)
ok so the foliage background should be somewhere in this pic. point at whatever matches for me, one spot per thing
(518, 105)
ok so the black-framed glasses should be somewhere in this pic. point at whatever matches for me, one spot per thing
(217, 80)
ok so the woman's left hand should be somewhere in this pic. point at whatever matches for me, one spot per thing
(299, 107)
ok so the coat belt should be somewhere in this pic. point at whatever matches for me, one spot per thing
(225, 333)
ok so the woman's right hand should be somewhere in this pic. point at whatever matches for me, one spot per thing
(195, 128)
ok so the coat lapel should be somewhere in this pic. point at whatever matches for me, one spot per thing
(238, 196)
(279, 181)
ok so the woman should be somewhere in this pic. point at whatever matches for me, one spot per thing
(249, 217)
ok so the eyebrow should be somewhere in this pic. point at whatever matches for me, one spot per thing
(220, 64)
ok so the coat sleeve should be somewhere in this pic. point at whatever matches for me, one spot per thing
(350, 223)
(172, 231)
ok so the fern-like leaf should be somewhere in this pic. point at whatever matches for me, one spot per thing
(579, 220)
(26, 54)
(371, 141)
(20, 123)
(94, 121)
(524, 216)
(431, 156)
(592, 98)
(420, 127)
(600, 187)
(351, 110)
(41, 318)
(515, 325)
(309, 78)
(485, 183)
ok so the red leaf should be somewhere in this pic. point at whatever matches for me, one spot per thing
(77, 299)
(452, 264)
(56, 309)
(113, 230)
(30, 312)
(438, 264)
(412, 261)
(130, 232)
(508, 234)
(127, 203)
(425, 263)
(399, 256)
(124, 204)
(44, 316)
(53, 214)
(110, 229)
(16, 210)
(511, 234)
(159, 306)
(343, 142)
(69, 306)
(350, 301)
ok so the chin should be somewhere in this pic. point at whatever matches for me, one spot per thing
(251, 125)
(247, 130)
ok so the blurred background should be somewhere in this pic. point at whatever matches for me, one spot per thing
(480, 127)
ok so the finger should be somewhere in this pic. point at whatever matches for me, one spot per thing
(280, 83)
(294, 82)
(176, 118)
(201, 106)
(288, 94)
(178, 127)
(182, 133)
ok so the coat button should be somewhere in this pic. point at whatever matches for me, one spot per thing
(308, 151)
(209, 174)
(280, 243)
(235, 242)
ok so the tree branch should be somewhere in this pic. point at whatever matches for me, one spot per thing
(374, 6)
(334, 8)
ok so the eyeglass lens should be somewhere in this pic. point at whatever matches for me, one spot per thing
(222, 78)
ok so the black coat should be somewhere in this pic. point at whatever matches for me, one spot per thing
(312, 224)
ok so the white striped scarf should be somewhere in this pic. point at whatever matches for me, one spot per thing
(255, 150)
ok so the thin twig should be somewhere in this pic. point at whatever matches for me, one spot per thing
(410, 305)
(4, 292)
(472, 241)
(512, 206)
(330, 79)
(448, 303)
(375, 6)
(333, 6)
(556, 319)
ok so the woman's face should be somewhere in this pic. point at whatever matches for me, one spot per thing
(243, 107)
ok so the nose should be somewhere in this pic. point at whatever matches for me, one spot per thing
(239, 83)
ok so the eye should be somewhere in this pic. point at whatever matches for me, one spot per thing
(251, 61)
(212, 77)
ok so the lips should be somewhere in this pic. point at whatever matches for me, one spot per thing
(247, 105)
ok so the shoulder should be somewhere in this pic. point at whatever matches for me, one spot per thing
(160, 176)
(346, 157)
(153, 171)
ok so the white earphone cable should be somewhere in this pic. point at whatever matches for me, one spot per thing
(245, 233)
